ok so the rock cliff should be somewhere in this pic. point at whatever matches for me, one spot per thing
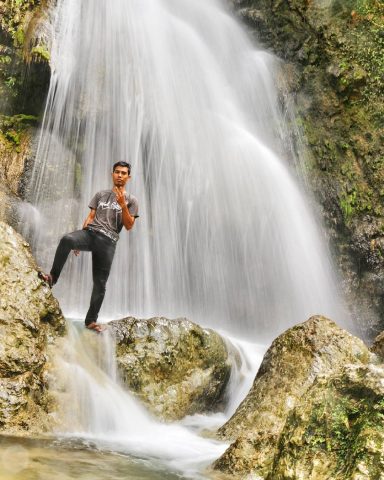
(334, 72)
(30, 320)
(24, 80)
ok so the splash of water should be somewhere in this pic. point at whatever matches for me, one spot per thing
(94, 406)
(177, 88)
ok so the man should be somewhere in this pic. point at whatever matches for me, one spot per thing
(110, 210)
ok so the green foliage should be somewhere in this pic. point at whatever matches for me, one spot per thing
(5, 59)
(12, 128)
(24, 76)
(341, 423)
(41, 52)
(347, 204)
(12, 18)
(13, 136)
(10, 82)
(19, 37)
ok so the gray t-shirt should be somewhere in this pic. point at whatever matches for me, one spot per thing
(108, 219)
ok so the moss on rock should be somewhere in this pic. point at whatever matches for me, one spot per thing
(280, 430)
(335, 48)
(30, 320)
(24, 52)
(176, 367)
(24, 80)
(337, 430)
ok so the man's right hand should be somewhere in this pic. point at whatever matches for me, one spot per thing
(76, 252)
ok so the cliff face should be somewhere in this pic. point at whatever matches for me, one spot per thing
(24, 79)
(30, 323)
(334, 68)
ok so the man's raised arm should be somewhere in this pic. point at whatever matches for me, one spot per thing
(128, 219)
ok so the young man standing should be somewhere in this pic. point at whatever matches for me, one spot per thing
(110, 211)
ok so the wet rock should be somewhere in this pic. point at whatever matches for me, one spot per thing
(378, 346)
(337, 429)
(293, 365)
(176, 367)
(13, 160)
(30, 320)
(336, 49)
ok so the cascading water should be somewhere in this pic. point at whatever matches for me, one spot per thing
(176, 88)
(92, 405)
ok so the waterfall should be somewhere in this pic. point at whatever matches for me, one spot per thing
(93, 406)
(177, 89)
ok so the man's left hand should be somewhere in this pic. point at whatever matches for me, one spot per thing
(120, 197)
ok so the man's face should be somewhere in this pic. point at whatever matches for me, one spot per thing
(120, 176)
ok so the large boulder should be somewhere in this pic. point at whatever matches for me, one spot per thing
(337, 429)
(297, 359)
(175, 367)
(30, 320)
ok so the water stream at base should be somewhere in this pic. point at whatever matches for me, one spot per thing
(103, 431)
(68, 459)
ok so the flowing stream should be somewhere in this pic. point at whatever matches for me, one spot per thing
(103, 432)
(94, 406)
(225, 236)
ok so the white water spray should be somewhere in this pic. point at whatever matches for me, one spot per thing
(93, 406)
(176, 88)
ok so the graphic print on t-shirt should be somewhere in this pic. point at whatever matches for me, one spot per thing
(113, 205)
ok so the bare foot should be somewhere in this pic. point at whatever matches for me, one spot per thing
(47, 278)
(96, 327)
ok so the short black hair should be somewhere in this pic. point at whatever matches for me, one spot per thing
(122, 164)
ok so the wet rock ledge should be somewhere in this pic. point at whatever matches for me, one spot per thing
(30, 320)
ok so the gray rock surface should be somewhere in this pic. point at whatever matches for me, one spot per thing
(378, 346)
(175, 367)
(30, 320)
(337, 429)
(307, 369)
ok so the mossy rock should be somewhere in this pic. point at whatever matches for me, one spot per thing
(24, 56)
(295, 362)
(175, 367)
(30, 321)
(337, 430)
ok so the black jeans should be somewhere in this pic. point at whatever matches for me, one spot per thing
(103, 251)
